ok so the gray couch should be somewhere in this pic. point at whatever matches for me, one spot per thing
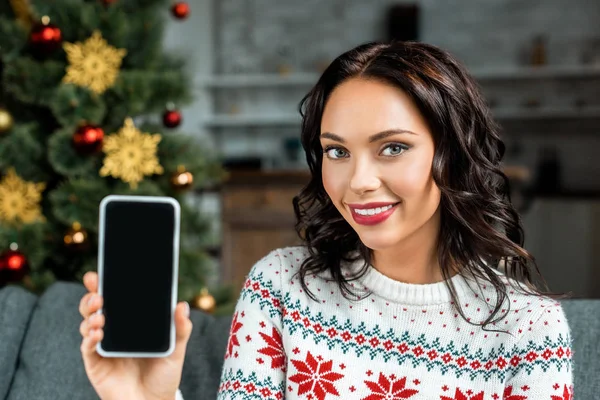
(40, 359)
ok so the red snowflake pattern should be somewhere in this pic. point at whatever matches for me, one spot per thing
(509, 396)
(566, 395)
(233, 340)
(274, 349)
(389, 389)
(315, 377)
(459, 395)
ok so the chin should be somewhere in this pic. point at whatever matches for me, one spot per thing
(379, 240)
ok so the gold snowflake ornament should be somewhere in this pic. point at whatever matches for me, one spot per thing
(20, 200)
(131, 155)
(93, 64)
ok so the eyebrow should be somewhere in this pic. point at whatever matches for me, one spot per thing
(372, 138)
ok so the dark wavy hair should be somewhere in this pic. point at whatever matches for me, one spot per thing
(480, 228)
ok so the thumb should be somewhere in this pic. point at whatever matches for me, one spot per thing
(183, 327)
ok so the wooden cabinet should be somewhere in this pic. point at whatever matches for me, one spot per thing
(257, 217)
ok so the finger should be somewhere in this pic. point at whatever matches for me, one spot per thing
(183, 324)
(90, 303)
(88, 347)
(84, 328)
(90, 281)
(83, 305)
(95, 321)
(183, 328)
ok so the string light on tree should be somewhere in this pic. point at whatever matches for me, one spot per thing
(88, 139)
(172, 117)
(76, 238)
(13, 265)
(182, 179)
(180, 10)
(6, 121)
(45, 38)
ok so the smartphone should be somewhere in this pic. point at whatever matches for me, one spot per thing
(138, 263)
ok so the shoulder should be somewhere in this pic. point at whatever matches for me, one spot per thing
(548, 320)
(278, 266)
(543, 340)
(542, 318)
(280, 258)
(266, 283)
(537, 305)
(522, 313)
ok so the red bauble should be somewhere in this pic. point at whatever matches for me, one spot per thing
(172, 118)
(45, 37)
(180, 10)
(88, 139)
(13, 266)
(108, 2)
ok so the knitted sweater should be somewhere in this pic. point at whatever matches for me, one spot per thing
(404, 341)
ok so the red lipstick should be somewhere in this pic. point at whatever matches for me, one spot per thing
(371, 219)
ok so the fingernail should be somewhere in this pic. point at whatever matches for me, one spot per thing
(187, 309)
(92, 298)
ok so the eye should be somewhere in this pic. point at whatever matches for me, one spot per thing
(335, 153)
(394, 149)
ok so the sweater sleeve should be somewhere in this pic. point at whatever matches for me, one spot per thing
(255, 359)
(542, 359)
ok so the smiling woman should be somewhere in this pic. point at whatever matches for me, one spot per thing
(397, 291)
(404, 124)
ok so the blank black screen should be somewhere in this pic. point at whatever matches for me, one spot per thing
(138, 276)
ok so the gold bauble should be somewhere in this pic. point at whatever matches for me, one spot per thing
(204, 301)
(182, 179)
(76, 238)
(6, 121)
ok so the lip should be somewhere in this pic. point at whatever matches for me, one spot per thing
(371, 219)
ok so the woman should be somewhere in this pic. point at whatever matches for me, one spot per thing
(413, 282)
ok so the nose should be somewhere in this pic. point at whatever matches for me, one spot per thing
(364, 178)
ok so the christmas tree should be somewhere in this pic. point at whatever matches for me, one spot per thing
(86, 110)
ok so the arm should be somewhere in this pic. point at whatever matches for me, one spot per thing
(255, 360)
(541, 359)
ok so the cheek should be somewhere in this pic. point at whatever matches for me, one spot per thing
(413, 180)
(333, 182)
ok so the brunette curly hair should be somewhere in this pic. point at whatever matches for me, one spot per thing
(480, 228)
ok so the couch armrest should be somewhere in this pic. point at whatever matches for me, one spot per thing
(16, 308)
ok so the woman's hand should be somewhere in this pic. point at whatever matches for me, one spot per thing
(129, 378)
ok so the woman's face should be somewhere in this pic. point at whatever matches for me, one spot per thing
(378, 153)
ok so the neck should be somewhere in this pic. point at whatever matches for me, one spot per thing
(415, 259)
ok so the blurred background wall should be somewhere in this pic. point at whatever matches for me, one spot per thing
(537, 61)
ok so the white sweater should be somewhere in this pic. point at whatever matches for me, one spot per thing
(403, 341)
